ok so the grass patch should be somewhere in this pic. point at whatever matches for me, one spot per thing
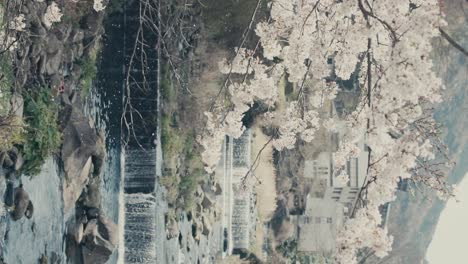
(88, 72)
(179, 144)
(6, 83)
(43, 137)
(187, 187)
(171, 138)
(11, 132)
(11, 127)
(183, 164)
(166, 87)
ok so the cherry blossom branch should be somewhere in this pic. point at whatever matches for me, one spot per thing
(251, 170)
(239, 48)
(453, 42)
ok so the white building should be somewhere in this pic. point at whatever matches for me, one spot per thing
(323, 216)
(322, 168)
(318, 226)
(356, 169)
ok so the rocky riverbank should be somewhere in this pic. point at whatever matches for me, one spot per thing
(54, 64)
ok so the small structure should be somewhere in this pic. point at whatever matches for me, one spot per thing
(320, 168)
(356, 169)
(318, 226)
(325, 213)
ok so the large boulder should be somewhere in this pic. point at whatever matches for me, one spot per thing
(76, 179)
(91, 197)
(82, 148)
(207, 202)
(53, 63)
(75, 231)
(206, 221)
(100, 239)
(172, 229)
(22, 205)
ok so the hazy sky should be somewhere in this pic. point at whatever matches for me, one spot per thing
(450, 242)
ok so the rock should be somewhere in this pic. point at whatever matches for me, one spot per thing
(196, 230)
(79, 233)
(62, 32)
(21, 77)
(25, 10)
(35, 51)
(206, 225)
(55, 258)
(93, 213)
(9, 196)
(12, 160)
(36, 7)
(172, 230)
(99, 155)
(55, 81)
(76, 181)
(218, 189)
(207, 202)
(100, 239)
(198, 208)
(83, 219)
(19, 162)
(199, 191)
(23, 51)
(92, 196)
(76, 231)
(76, 36)
(93, 26)
(77, 50)
(2, 158)
(42, 64)
(54, 63)
(81, 148)
(7, 161)
(53, 44)
(38, 31)
(23, 206)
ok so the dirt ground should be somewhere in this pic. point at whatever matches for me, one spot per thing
(266, 174)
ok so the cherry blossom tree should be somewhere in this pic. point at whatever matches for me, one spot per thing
(387, 44)
(98, 5)
(14, 23)
(53, 14)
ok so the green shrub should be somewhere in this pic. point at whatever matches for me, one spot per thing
(43, 137)
(171, 138)
(6, 83)
(166, 88)
(11, 132)
(187, 187)
(88, 73)
(11, 127)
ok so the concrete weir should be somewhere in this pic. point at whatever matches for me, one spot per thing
(236, 198)
(141, 195)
